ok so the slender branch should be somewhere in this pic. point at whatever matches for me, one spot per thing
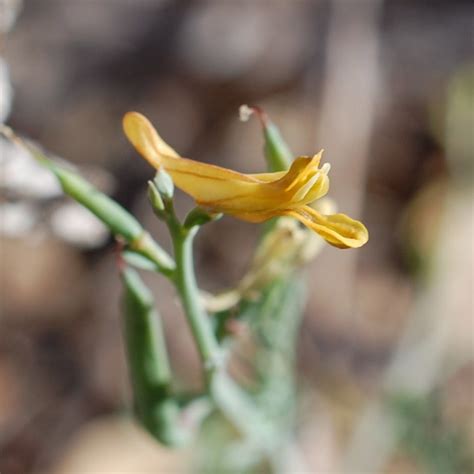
(234, 403)
(230, 399)
(185, 282)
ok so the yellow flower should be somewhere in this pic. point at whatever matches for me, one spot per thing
(250, 197)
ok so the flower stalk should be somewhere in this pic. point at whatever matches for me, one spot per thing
(185, 281)
(160, 192)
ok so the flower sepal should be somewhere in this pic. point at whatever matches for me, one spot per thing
(164, 184)
(200, 216)
(155, 199)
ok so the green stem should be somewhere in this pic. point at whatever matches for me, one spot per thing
(146, 246)
(185, 281)
(233, 402)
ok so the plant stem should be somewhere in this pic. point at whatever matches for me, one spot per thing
(146, 246)
(185, 282)
(230, 399)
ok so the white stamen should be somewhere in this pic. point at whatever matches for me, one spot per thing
(325, 168)
(301, 193)
(245, 112)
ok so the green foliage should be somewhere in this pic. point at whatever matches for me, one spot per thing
(115, 217)
(221, 450)
(255, 422)
(274, 319)
(120, 222)
(148, 362)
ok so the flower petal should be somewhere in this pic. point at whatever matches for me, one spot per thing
(253, 198)
(338, 230)
(145, 138)
(302, 183)
(222, 189)
(206, 183)
(158, 153)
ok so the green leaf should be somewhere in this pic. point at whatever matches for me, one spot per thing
(113, 215)
(148, 363)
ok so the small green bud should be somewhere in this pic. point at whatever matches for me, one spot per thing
(199, 216)
(164, 184)
(277, 152)
(155, 198)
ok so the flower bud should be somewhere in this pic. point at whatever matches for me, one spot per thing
(164, 184)
(277, 152)
(155, 198)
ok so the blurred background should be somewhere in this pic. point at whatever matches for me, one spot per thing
(384, 86)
